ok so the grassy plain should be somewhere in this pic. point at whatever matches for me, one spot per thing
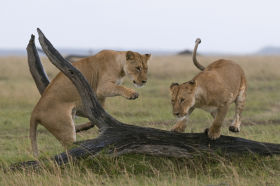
(261, 121)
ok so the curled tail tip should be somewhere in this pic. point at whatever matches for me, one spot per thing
(196, 63)
(198, 41)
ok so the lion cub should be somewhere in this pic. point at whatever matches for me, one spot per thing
(104, 72)
(214, 89)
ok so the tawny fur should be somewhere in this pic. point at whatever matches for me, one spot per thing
(104, 73)
(213, 90)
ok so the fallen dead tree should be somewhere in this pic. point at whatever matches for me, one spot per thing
(118, 138)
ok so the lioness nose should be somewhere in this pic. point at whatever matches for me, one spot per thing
(176, 113)
(144, 81)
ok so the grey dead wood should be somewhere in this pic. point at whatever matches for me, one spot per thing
(35, 66)
(117, 138)
(42, 81)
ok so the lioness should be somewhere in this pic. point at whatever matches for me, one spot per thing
(104, 72)
(212, 90)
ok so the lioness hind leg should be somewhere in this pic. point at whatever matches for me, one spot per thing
(239, 106)
(66, 133)
(61, 125)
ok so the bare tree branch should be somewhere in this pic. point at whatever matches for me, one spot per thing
(41, 79)
(35, 66)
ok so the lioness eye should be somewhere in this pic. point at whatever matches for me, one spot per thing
(138, 69)
(182, 99)
(172, 101)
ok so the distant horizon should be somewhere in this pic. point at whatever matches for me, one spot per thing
(201, 49)
(268, 50)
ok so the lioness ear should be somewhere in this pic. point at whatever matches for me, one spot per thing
(192, 82)
(173, 85)
(148, 56)
(129, 55)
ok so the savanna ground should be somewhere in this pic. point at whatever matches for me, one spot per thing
(261, 122)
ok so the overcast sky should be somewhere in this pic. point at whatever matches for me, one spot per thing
(236, 26)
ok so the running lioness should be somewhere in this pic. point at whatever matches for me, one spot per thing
(104, 72)
(214, 89)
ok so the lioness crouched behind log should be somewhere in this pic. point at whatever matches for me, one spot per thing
(214, 89)
(104, 72)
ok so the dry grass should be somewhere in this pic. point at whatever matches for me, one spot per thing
(18, 95)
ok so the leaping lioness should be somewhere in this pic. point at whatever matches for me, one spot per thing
(104, 72)
(214, 89)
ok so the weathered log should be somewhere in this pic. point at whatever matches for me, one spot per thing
(35, 66)
(118, 138)
(127, 139)
(41, 78)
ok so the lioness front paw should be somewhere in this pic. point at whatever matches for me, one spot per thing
(132, 95)
(177, 129)
(213, 135)
(233, 129)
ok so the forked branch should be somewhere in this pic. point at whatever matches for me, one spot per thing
(41, 79)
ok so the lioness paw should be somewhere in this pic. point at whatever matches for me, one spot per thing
(177, 129)
(211, 134)
(133, 95)
(234, 129)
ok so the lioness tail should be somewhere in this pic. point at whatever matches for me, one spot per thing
(199, 66)
(33, 135)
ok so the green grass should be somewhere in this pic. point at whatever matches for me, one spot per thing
(18, 95)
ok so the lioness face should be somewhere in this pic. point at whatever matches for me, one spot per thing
(182, 98)
(137, 67)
